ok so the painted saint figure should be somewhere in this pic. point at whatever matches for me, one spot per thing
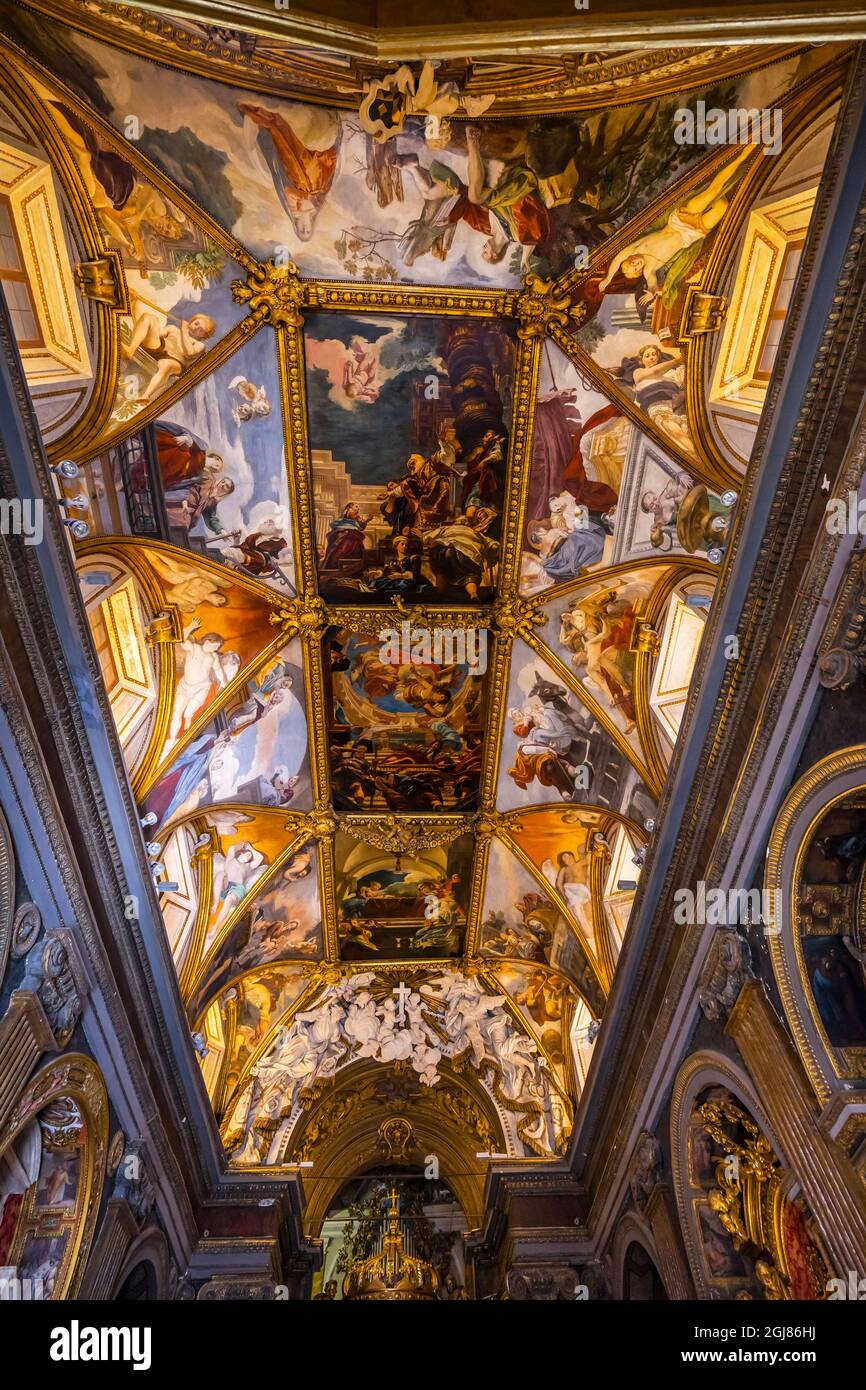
(204, 667)
(686, 226)
(345, 542)
(511, 211)
(173, 345)
(302, 175)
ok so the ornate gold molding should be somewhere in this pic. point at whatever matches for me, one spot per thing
(273, 293)
(277, 296)
(77, 1077)
(568, 66)
(405, 835)
(828, 782)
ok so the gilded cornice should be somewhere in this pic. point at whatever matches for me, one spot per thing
(550, 64)
(779, 608)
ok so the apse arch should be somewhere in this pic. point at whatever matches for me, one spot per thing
(341, 1134)
(61, 1119)
(144, 1274)
(465, 1026)
(633, 1231)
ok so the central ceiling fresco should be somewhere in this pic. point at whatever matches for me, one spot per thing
(413, 465)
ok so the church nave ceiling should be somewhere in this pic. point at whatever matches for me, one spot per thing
(406, 519)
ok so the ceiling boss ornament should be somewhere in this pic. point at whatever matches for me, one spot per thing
(274, 293)
(302, 617)
(516, 617)
(489, 822)
(320, 824)
(541, 307)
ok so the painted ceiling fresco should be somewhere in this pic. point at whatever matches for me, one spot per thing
(411, 466)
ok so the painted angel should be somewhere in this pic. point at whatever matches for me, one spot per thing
(252, 400)
(361, 372)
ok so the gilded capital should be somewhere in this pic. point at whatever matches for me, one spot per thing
(540, 307)
(514, 616)
(275, 294)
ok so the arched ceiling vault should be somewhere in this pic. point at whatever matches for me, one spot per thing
(410, 481)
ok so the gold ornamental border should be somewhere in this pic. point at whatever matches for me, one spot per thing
(78, 1077)
(566, 68)
(847, 1064)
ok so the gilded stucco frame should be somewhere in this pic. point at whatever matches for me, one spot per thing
(824, 785)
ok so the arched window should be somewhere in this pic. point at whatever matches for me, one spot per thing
(139, 1286)
(118, 620)
(641, 1280)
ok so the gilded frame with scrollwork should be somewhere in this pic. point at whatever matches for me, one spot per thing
(824, 785)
